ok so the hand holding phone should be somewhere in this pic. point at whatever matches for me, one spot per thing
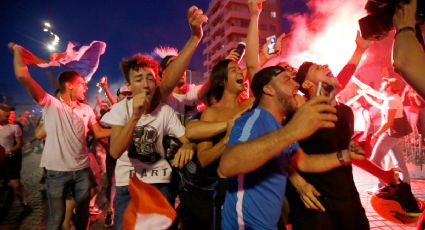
(271, 42)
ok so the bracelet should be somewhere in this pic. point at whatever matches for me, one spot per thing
(406, 28)
(341, 158)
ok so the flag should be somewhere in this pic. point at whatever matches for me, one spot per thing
(148, 208)
(84, 59)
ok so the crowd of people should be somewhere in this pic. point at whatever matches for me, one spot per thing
(259, 161)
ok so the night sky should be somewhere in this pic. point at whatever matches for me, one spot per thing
(127, 27)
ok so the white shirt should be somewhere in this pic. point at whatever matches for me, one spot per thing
(392, 102)
(65, 148)
(147, 138)
(8, 133)
(185, 104)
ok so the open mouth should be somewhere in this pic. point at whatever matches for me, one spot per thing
(239, 81)
(330, 74)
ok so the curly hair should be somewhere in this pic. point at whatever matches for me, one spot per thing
(136, 62)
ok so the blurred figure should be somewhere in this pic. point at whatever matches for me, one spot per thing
(11, 141)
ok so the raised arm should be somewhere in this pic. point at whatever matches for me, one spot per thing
(175, 70)
(105, 87)
(252, 43)
(350, 68)
(408, 54)
(22, 74)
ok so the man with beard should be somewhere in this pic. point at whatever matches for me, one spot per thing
(260, 150)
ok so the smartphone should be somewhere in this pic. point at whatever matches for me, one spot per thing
(271, 42)
(240, 49)
(324, 89)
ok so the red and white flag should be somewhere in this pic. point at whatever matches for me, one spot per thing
(84, 59)
(148, 208)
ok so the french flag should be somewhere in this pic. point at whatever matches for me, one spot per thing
(148, 208)
(82, 59)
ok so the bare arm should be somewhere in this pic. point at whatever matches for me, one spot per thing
(175, 70)
(184, 154)
(22, 74)
(307, 192)
(198, 130)
(17, 146)
(105, 87)
(350, 68)
(371, 101)
(408, 54)
(100, 132)
(121, 137)
(40, 132)
(252, 43)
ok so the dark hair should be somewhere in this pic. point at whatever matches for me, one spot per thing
(136, 62)
(67, 76)
(301, 76)
(218, 79)
(164, 64)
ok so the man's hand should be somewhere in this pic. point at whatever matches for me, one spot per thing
(311, 116)
(233, 56)
(405, 15)
(309, 195)
(139, 104)
(356, 151)
(255, 6)
(362, 43)
(183, 155)
(103, 83)
(196, 18)
(277, 47)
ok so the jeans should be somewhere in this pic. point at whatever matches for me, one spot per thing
(122, 198)
(58, 184)
(382, 147)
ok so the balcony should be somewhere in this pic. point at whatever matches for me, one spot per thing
(226, 3)
(213, 45)
(235, 14)
(235, 30)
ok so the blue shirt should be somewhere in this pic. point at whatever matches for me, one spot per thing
(254, 200)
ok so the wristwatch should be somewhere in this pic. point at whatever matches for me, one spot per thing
(341, 158)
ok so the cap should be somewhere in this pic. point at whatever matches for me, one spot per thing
(262, 78)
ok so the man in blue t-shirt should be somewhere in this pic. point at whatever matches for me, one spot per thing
(260, 151)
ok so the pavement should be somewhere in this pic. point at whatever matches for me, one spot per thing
(13, 216)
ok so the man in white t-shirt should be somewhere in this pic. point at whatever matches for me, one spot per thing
(65, 155)
(138, 127)
(11, 141)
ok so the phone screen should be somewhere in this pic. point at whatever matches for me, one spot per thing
(271, 42)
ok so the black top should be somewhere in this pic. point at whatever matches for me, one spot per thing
(337, 183)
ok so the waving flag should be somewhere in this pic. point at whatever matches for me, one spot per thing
(148, 208)
(84, 59)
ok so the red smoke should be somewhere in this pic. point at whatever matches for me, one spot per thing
(326, 35)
